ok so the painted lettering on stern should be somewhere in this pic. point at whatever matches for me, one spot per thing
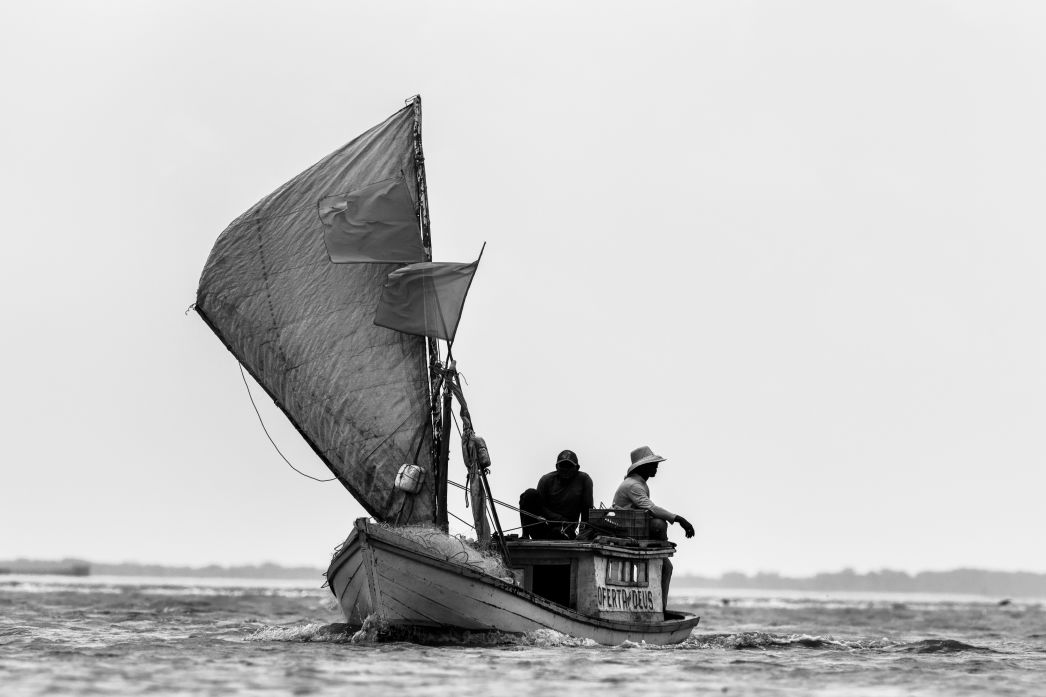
(625, 599)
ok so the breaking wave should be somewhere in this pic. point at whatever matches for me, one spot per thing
(767, 641)
(548, 638)
(373, 631)
(941, 646)
(302, 633)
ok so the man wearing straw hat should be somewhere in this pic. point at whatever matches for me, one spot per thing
(634, 492)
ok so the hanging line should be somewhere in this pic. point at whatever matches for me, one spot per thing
(262, 422)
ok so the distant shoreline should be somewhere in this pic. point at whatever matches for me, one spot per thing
(258, 571)
(956, 581)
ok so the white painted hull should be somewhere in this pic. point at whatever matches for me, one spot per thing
(378, 572)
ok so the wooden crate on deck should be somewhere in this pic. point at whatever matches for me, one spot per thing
(625, 522)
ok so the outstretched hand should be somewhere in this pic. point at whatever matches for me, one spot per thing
(685, 524)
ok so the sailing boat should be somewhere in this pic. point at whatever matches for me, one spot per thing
(326, 292)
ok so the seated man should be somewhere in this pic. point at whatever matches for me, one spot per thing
(562, 497)
(634, 492)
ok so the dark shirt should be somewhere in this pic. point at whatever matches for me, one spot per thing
(566, 500)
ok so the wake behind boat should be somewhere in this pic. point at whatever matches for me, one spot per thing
(326, 292)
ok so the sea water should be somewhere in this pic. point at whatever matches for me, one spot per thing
(117, 636)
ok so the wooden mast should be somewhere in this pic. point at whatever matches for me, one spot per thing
(440, 426)
(443, 461)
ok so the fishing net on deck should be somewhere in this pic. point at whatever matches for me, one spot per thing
(454, 548)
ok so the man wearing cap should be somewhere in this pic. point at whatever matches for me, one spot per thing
(563, 497)
(634, 492)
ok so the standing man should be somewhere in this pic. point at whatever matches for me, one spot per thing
(563, 497)
(634, 492)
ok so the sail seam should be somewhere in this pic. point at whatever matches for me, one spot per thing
(268, 295)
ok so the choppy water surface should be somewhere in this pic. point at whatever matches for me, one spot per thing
(128, 636)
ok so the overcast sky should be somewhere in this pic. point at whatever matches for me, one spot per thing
(796, 248)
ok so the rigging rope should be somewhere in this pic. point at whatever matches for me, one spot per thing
(460, 520)
(539, 519)
(262, 422)
(502, 503)
(457, 426)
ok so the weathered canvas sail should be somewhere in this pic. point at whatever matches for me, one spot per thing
(303, 326)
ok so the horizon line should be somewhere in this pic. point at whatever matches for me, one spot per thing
(680, 573)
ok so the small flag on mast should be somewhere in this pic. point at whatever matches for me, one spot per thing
(425, 299)
(375, 224)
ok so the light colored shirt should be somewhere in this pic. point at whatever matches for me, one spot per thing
(634, 493)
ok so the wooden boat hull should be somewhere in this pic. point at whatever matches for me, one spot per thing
(377, 572)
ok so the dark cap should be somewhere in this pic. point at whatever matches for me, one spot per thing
(567, 456)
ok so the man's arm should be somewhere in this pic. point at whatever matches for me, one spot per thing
(586, 497)
(685, 524)
(639, 499)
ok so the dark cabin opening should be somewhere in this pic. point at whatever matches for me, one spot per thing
(552, 581)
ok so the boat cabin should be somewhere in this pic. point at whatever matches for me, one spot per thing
(608, 577)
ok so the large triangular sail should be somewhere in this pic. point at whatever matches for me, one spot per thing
(304, 326)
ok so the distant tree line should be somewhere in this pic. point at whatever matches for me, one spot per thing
(963, 581)
(260, 571)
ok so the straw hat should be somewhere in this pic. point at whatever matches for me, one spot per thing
(643, 455)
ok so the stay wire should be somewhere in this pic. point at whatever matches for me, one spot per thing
(262, 422)
(462, 521)
(500, 503)
(539, 519)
